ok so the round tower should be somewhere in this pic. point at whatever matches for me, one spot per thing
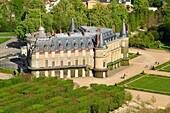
(100, 56)
(124, 45)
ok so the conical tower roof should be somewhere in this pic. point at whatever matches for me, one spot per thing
(72, 26)
(101, 42)
(123, 32)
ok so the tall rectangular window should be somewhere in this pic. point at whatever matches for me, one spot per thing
(37, 64)
(69, 53)
(76, 62)
(69, 63)
(46, 63)
(53, 63)
(91, 60)
(61, 63)
(84, 62)
(104, 64)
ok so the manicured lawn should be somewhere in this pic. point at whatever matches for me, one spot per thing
(149, 83)
(163, 67)
(133, 55)
(7, 34)
(2, 40)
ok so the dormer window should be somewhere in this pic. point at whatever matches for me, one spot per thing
(45, 47)
(75, 44)
(67, 44)
(36, 47)
(52, 47)
(60, 46)
(82, 44)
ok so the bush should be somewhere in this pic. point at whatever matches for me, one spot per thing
(143, 72)
(53, 95)
(110, 67)
(10, 82)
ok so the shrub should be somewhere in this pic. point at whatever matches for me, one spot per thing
(110, 67)
(153, 68)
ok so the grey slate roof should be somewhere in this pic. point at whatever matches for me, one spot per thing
(72, 27)
(64, 42)
(84, 37)
(101, 42)
(123, 32)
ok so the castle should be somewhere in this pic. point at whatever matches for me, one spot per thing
(86, 51)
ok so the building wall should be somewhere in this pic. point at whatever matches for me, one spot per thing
(65, 57)
(114, 51)
(110, 54)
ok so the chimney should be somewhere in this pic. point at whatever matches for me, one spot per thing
(84, 32)
(127, 27)
(69, 33)
(97, 40)
(113, 28)
(52, 32)
(60, 31)
(37, 35)
(98, 29)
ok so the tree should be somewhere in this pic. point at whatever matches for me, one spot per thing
(65, 10)
(155, 34)
(158, 3)
(132, 22)
(139, 5)
(17, 9)
(4, 23)
(151, 37)
(37, 4)
(32, 21)
(118, 12)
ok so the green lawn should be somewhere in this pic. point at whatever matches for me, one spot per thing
(7, 34)
(2, 40)
(163, 67)
(149, 83)
(133, 55)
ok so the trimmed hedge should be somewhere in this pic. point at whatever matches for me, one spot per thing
(53, 95)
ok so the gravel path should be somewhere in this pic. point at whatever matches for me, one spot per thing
(12, 43)
(5, 76)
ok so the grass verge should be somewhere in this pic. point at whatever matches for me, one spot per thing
(163, 67)
(2, 40)
(7, 34)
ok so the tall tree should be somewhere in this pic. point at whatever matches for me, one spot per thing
(36, 14)
(65, 10)
(118, 12)
(132, 22)
(17, 9)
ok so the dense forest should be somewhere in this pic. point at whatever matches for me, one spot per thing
(23, 16)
